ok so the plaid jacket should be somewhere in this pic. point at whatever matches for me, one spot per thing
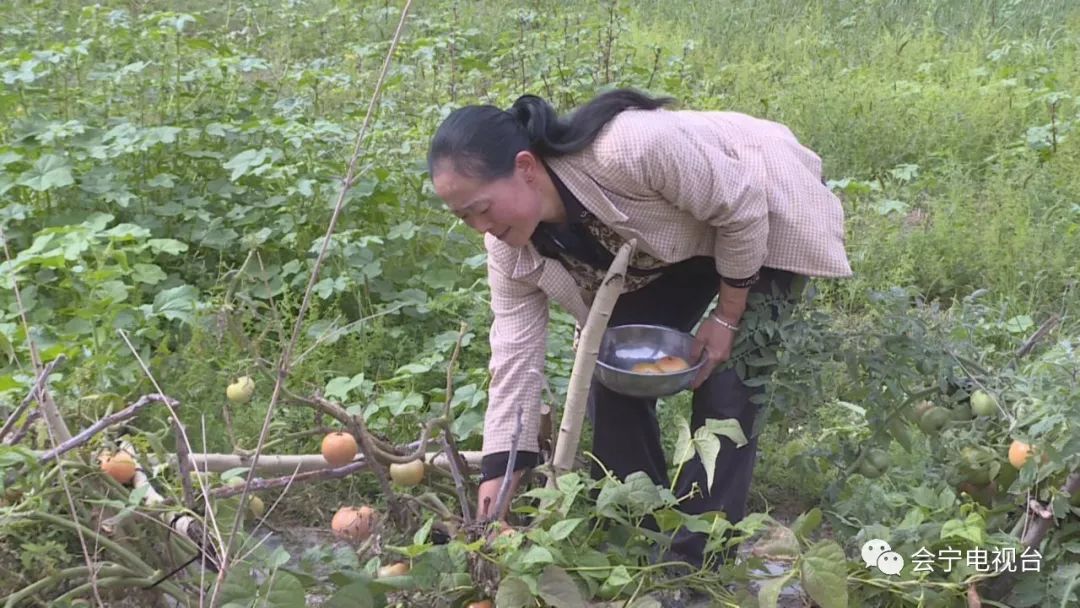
(682, 183)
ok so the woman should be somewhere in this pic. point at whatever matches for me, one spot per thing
(721, 205)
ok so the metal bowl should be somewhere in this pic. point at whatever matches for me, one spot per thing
(624, 346)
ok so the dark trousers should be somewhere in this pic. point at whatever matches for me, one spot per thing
(626, 434)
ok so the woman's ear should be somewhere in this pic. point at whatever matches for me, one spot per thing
(527, 164)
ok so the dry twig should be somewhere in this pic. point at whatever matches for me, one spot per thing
(39, 383)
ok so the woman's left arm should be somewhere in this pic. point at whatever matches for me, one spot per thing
(716, 336)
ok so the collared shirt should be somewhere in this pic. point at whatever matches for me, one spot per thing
(578, 244)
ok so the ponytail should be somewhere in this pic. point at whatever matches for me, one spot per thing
(482, 141)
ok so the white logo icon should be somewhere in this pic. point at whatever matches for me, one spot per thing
(890, 562)
(878, 554)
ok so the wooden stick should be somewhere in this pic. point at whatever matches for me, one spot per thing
(454, 457)
(24, 429)
(282, 464)
(502, 499)
(105, 422)
(184, 466)
(588, 350)
(32, 395)
(1038, 335)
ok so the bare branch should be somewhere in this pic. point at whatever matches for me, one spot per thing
(183, 464)
(260, 485)
(283, 464)
(450, 369)
(449, 444)
(502, 499)
(32, 395)
(107, 421)
(25, 428)
(1037, 336)
(453, 456)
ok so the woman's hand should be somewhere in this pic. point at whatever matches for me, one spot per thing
(715, 338)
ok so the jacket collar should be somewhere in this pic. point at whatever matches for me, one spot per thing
(591, 195)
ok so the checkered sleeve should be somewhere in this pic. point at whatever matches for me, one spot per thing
(709, 180)
(518, 341)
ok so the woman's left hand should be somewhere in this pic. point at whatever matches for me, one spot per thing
(716, 341)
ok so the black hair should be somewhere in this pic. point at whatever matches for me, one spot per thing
(482, 141)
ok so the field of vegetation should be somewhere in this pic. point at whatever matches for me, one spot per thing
(172, 176)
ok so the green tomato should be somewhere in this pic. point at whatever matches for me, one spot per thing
(932, 421)
(868, 470)
(983, 404)
(879, 459)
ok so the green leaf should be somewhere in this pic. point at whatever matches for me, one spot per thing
(559, 590)
(562, 529)
(514, 593)
(730, 428)
(239, 589)
(684, 447)
(278, 558)
(824, 574)
(421, 535)
(619, 577)
(341, 386)
(170, 246)
(150, 274)
(769, 592)
(644, 495)
(353, 595)
(1020, 324)
(1064, 584)
(285, 591)
(778, 542)
(50, 171)
(177, 303)
(807, 522)
(707, 446)
(536, 555)
(972, 529)
(251, 161)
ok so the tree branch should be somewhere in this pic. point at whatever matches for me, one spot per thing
(502, 499)
(105, 422)
(281, 464)
(1037, 336)
(449, 444)
(32, 395)
(183, 464)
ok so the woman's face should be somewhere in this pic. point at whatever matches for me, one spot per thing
(509, 208)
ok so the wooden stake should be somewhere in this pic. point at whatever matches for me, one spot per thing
(588, 350)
